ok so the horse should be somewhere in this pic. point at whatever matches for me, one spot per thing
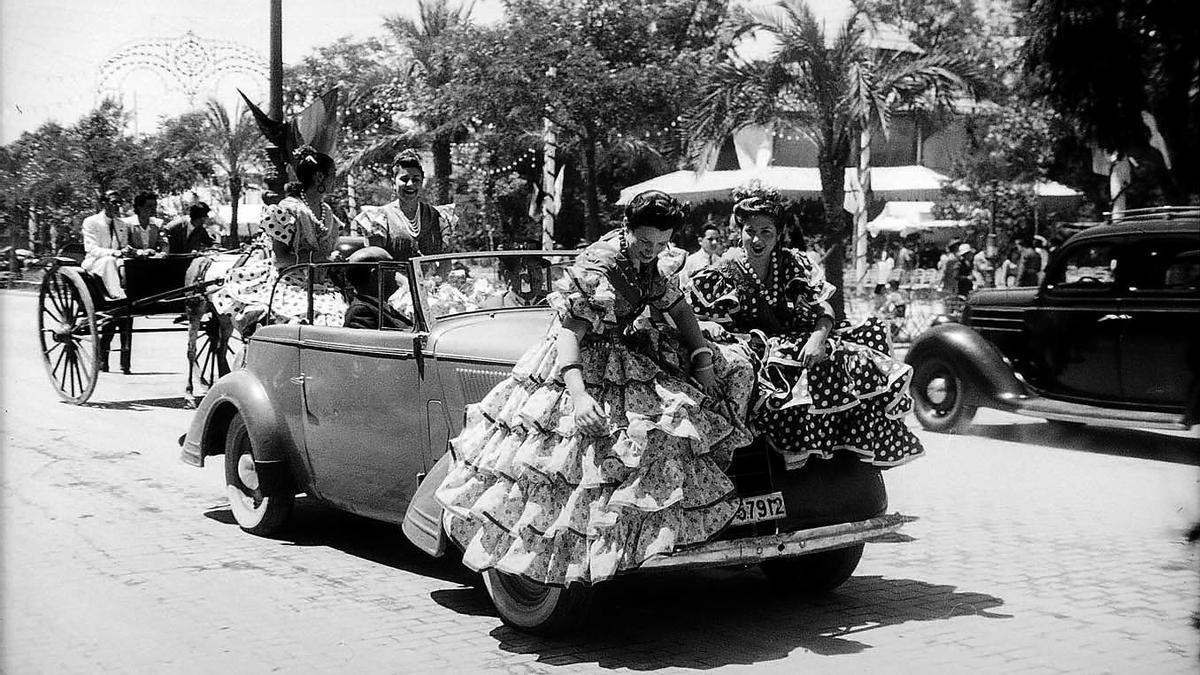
(207, 274)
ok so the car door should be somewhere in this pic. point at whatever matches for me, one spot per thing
(1074, 327)
(1160, 346)
(364, 420)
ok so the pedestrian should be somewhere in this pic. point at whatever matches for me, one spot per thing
(982, 271)
(408, 226)
(1006, 271)
(190, 234)
(947, 268)
(906, 260)
(625, 428)
(1029, 264)
(965, 282)
(711, 248)
(1039, 245)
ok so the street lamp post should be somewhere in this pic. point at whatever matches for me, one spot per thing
(278, 176)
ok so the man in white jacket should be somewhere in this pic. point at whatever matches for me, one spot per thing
(105, 243)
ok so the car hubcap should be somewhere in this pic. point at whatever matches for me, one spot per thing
(938, 390)
(247, 474)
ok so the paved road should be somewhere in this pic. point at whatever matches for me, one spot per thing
(1037, 550)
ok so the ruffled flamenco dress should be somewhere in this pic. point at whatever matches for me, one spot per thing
(529, 494)
(855, 400)
(246, 294)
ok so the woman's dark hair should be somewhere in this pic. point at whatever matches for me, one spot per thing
(307, 163)
(756, 201)
(655, 209)
(408, 159)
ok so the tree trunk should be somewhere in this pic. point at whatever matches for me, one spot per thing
(235, 196)
(442, 168)
(591, 199)
(833, 176)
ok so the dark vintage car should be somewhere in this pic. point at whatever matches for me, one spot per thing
(1111, 337)
(361, 419)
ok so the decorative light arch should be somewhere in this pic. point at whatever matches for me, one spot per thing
(188, 63)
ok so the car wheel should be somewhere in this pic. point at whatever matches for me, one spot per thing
(940, 397)
(254, 512)
(814, 573)
(537, 608)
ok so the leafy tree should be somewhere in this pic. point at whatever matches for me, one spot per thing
(1109, 66)
(829, 93)
(610, 76)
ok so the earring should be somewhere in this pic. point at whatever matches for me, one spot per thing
(321, 188)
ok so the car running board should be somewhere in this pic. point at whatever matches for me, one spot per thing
(751, 550)
(1083, 413)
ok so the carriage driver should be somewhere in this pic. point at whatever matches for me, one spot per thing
(105, 243)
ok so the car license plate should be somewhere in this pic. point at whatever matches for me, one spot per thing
(759, 508)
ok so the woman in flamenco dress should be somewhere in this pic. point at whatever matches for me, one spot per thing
(302, 228)
(608, 442)
(819, 390)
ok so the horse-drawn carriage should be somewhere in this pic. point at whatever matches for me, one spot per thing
(77, 320)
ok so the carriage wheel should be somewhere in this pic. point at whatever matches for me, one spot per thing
(207, 364)
(67, 333)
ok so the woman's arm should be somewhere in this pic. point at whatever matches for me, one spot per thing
(701, 361)
(588, 416)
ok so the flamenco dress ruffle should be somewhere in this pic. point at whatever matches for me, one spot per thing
(855, 400)
(531, 495)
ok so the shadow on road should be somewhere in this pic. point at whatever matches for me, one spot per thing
(688, 619)
(173, 402)
(712, 618)
(1139, 444)
(314, 524)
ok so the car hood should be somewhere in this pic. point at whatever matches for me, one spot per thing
(493, 337)
(1004, 297)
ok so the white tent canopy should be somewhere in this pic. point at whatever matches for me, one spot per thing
(905, 218)
(887, 182)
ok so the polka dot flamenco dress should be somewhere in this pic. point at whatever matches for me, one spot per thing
(530, 494)
(854, 401)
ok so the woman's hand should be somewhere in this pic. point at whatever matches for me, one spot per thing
(588, 417)
(706, 377)
(814, 350)
(714, 331)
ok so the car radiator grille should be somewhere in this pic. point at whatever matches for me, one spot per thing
(477, 382)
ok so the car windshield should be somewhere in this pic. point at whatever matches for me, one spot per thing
(472, 282)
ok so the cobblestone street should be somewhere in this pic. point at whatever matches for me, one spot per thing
(1037, 549)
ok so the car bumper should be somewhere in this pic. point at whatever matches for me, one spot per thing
(751, 550)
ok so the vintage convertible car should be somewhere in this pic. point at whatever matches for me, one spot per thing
(1112, 336)
(361, 419)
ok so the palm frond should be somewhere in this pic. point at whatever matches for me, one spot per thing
(734, 96)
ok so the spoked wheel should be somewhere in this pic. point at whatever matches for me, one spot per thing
(68, 334)
(207, 363)
(537, 608)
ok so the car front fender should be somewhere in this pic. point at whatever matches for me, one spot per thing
(990, 376)
(423, 520)
(237, 392)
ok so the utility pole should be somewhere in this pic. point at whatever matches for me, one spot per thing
(277, 177)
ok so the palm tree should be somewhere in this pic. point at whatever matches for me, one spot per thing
(828, 93)
(423, 38)
(234, 141)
